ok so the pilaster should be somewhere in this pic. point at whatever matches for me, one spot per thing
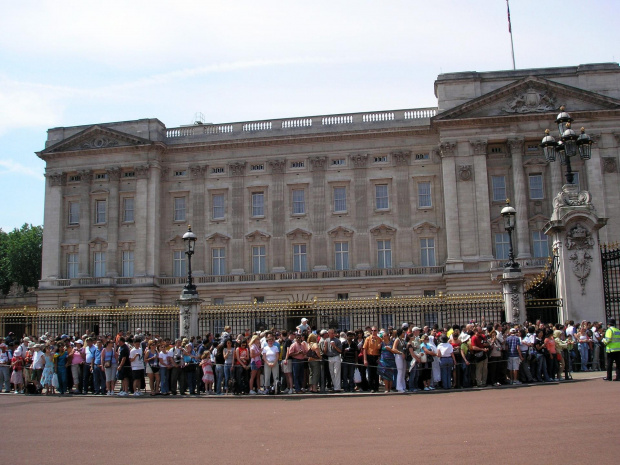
(520, 188)
(54, 221)
(86, 219)
(448, 168)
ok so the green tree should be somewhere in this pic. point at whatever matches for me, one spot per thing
(20, 257)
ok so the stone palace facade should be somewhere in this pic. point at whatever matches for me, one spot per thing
(386, 203)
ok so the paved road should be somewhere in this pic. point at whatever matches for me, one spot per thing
(558, 423)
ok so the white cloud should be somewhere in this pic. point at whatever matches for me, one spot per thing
(11, 167)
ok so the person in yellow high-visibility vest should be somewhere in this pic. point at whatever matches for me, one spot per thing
(612, 347)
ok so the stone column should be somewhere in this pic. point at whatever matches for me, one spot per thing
(402, 194)
(198, 215)
(482, 199)
(86, 219)
(189, 307)
(514, 300)
(360, 206)
(142, 211)
(319, 212)
(520, 198)
(54, 220)
(114, 209)
(574, 227)
(448, 168)
(238, 216)
(278, 215)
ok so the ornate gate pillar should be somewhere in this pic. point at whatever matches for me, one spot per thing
(188, 315)
(574, 227)
(514, 300)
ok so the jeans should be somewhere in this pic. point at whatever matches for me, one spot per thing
(541, 370)
(164, 386)
(584, 352)
(242, 379)
(446, 364)
(348, 376)
(190, 380)
(228, 374)
(413, 378)
(5, 378)
(98, 380)
(62, 380)
(298, 374)
(219, 377)
(596, 357)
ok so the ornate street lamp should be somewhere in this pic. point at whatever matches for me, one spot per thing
(509, 215)
(569, 144)
(190, 239)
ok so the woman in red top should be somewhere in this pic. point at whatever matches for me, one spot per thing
(242, 367)
(552, 360)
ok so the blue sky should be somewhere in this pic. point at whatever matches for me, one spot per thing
(81, 62)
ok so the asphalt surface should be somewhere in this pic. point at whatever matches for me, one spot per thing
(555, 423)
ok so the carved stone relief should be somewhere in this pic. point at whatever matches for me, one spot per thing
(318, 163)
(198, 171)
(447, 149)
(277, 166)
(514, 301)
(237, 169)
(99, 142)
(86, 176)
(114, 174)
(515, 145)
(479, 146)
(359, 160)
(57, 179)
(531, 101)
(142, 171)
(401, 158)
(579, 242)
(610, 165)
(465, 172)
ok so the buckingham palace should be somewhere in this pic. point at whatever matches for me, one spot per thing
(359, 205)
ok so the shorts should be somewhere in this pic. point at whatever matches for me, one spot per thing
(124, 373)
(287, 367)
(35, 375)
(137, 374)
(152, 369)
(513, 363)
(110, 374)
(255, 366)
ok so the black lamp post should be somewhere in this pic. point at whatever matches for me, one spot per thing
(569, 144)
(190, 238)
(509, 214)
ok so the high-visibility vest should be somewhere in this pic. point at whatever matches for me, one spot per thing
(612, 339)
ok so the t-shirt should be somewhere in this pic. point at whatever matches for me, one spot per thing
(163, 358)
(123, 353)
(38, 360)
(445, 349)
(331, 349)
(271, 353)
(137, 363)
(512, 343)
(89, 352)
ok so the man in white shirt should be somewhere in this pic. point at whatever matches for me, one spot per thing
(137, 367)
(38, 362)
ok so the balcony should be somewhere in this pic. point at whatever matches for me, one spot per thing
(302, 125)
(242, 278)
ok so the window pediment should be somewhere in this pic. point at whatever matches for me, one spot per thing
(383, 229)
(340, 231)
(98, 244)
(299, 233)
(257, 236)
(425, 226)
(217, 238)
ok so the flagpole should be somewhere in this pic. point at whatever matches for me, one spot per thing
(512, 46)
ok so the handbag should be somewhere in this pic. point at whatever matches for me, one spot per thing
(55, 380)
(480, 355)
(357, 376)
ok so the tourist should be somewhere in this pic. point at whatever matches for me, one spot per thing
(5, 368)
(314, 364)
(136, 358)
(242, 367)
(271, 355)
(372, 351)
(207, 371)
(255, 364)
(151, 359)
(386, 367)
(333, 352)
(426, 360)
(349, 359)
(297, 352)
(164, 369)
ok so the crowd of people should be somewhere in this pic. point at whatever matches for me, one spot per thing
(305, 360)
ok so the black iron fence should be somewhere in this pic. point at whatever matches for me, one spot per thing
(541, 301)
(340, 314)
(610, 258)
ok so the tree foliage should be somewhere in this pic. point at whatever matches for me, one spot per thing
(20, 257)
